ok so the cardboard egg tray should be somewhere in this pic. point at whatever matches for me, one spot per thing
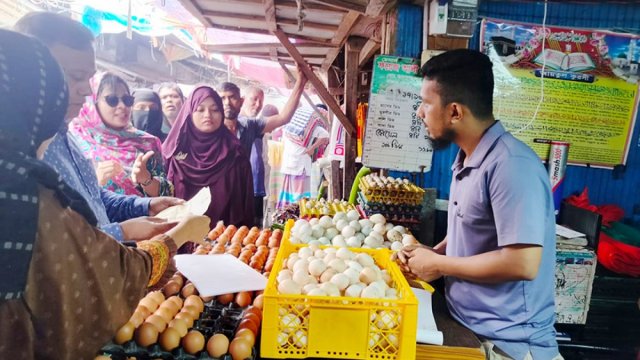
(216, 318)
(389, 210)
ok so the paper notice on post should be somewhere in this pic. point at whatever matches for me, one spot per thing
(427, 331)
(219, 274)
(197, 205)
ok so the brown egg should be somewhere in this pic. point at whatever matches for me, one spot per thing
(171, 288)
(169, 339)
(217, 345)
(246, 334)
(225, 299)
(259, 301)
(188, 290)
(192, 310)
(146, 334)
(255, 310)
(125, 333)
(180, 325)
(177, 277)
(149, 303)
(157, 321)
(243, 299)
(165, 313)
(136, 319)
(143, 310)
(171, 306)
(253, 317)
(156, 296)
(186, 317)
(196, 301)
(193, 342)
(206, 299)
(240, 349)
(177, 300)
(248, 324)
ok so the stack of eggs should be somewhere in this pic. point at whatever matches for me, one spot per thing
(348, 230)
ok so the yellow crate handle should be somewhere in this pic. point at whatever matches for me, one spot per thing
(425, 285)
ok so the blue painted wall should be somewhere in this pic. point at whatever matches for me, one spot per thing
(621, 186)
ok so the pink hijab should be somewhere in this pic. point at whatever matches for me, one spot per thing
(99, 142)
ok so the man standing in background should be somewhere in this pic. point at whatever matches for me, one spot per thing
(171, 98)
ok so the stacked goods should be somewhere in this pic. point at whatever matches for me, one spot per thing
(348, 230)
(337, 303)
(310, 208)
(398, 199)
(187, 328)
(291, 211)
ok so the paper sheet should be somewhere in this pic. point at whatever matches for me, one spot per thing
(219, 274)
(427, 331)
(565, 232)
(197, 205)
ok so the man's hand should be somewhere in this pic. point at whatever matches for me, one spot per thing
(139, 172)
(160, 203)
(422, 262)
(106, 170)
(144, 228)
(192, 228)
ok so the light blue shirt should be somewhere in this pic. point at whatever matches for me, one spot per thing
(64, 156)
(503, 197)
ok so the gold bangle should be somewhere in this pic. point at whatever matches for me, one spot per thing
(160, 255)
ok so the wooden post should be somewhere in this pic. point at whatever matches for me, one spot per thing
(352, 55)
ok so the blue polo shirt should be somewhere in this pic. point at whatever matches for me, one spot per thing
(503, 197)
(250, 136)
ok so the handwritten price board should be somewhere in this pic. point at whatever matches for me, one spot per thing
(394, 136)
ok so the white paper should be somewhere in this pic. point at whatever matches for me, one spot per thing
(197, 205)
(565, 232)
(219, 274)
(427, 330)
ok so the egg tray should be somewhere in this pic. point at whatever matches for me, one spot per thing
(392, 212)
(216, 318)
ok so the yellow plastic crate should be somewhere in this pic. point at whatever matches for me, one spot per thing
(300, 326)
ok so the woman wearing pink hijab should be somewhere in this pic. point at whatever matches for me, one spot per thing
(200, 152)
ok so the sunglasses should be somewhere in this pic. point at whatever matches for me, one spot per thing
(113, 100)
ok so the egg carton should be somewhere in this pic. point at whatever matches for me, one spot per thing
(393, 212)
(216, 318)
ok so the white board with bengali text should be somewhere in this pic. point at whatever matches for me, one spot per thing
(395, 136)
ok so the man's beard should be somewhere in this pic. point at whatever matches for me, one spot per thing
(231, 114)
(443, 141)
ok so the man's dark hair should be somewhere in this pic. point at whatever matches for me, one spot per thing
(463, 76)
(230, 87)
(52, 29)
(172, 86)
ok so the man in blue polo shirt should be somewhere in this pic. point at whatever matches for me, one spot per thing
(498, 256)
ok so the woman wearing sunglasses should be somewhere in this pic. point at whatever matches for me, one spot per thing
(127, 160)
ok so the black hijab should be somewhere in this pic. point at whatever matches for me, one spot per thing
(151, 120)
(33, 99)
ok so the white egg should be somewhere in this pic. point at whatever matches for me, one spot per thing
(353, 275)
(341, 224)
(345, 254)
(317, 292)
(380, 229)
(338, 265)
(294, 240)
(368, 275)
(307, 239)
(327, 275)
(378, 218)
(339, 216)
(372, 242)
(386, 320)
(301, 265)
(308, 287)
(354, 242)
(408, 239)
(315, 242)
(386, 277)
(326, 222)
(371, 292)
(391, 293)
(292, 261)
(365, 260)
(329, 256)
(313, 221)
(388, 226)
(317, 230)
(331, 289)
(300, 339)
(289, 323)
(305, 252)
(348, 231)
(317, 267)
(289, 287)
(353, 215)
(324, 241)
(400, 229)
(284, 275)
(393, 235)
(355, 225)
(381, 285)
(341, 281)
(366, 230)
(353, 290)
(283, 338)
(354, 265)
(365, 223)
(338, 240)
(396, 245)
(331, 232)
(302, 278)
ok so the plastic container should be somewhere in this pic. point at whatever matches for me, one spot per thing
(339, 327)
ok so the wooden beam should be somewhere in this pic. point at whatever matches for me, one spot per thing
(347, 5)
(267, 32)
(339, 38)
(369, 49)
(376, 8)
(232, 15)
(270, 14)
(268, 54)
(351, 65)
(317, 84)
(242, 46)
(309, 24)
(196, 11)
(304, 93)
(291, 4)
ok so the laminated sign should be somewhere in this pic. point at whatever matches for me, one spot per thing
(395, 136)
